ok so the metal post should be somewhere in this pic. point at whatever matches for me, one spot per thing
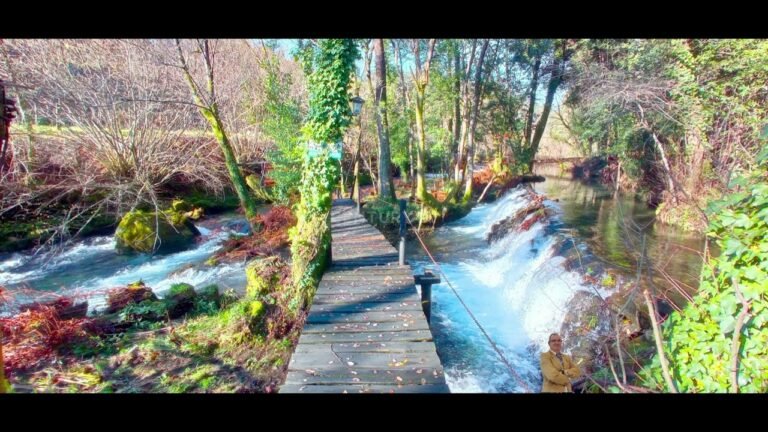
(402, 232)
(426, 301)
(426, 280)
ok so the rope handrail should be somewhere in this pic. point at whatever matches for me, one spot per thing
(485, 333)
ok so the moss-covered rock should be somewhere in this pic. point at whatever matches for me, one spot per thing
(149, 232)
(180, 299)
(119, 298)
(187, 209)
(264, 275)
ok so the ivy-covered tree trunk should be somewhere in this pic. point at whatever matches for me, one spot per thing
(238, 182)
(331, 66)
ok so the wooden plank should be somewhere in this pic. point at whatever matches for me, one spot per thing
(367, 289)
(365, 316)
(326, 298)
(383, 336)
(343, 307)
(368, 346)
(365, 388)
(391, 361)
(416, 376)
(369, 326)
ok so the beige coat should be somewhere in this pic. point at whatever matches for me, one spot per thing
(557, 375)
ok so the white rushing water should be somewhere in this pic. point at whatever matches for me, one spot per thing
(89, 267)
(517, 289)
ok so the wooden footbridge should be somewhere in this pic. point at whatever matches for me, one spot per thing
(366, 331)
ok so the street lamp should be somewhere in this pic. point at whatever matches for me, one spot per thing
(357, 104)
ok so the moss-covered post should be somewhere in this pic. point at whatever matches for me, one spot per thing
(330, 64)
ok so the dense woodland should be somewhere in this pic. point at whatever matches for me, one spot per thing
(134, 135)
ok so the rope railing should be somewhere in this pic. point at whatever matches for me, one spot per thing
(495, 347)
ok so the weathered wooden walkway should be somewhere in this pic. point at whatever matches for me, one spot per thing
(366, 331)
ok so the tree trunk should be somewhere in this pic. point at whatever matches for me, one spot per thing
(406, 102)
(697, 139)
(473, 121)
(238, 182)
(421, 79)
(387, 191)
(532, 101)
(466, 110)
(421, 188)
(4, 129)
(456, 110)
(374, 181)
(210, 112)
(554, 83)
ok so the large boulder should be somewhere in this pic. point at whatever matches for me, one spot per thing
(150, 232)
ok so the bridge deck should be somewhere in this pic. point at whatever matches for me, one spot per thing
(366, 331)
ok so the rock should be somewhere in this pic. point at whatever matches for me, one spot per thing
(180, 299)
(119, 298)
(138, 231)
(520, 220)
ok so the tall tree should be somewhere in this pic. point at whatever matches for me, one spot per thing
(461, 157)
(406, 100)
(477, 91)
(421, 79)
(207, 104)
(561, 56)
(386, 188)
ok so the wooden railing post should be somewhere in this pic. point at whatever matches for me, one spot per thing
(402, 232)
(426, 280)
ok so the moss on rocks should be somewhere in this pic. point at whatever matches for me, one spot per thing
(149, 232)
(264, 276)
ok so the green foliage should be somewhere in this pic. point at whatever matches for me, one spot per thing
(145, 311)
(281, 121)
(329, 113)
(693, 92)
(699, 340)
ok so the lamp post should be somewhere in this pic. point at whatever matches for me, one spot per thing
(357, 105)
